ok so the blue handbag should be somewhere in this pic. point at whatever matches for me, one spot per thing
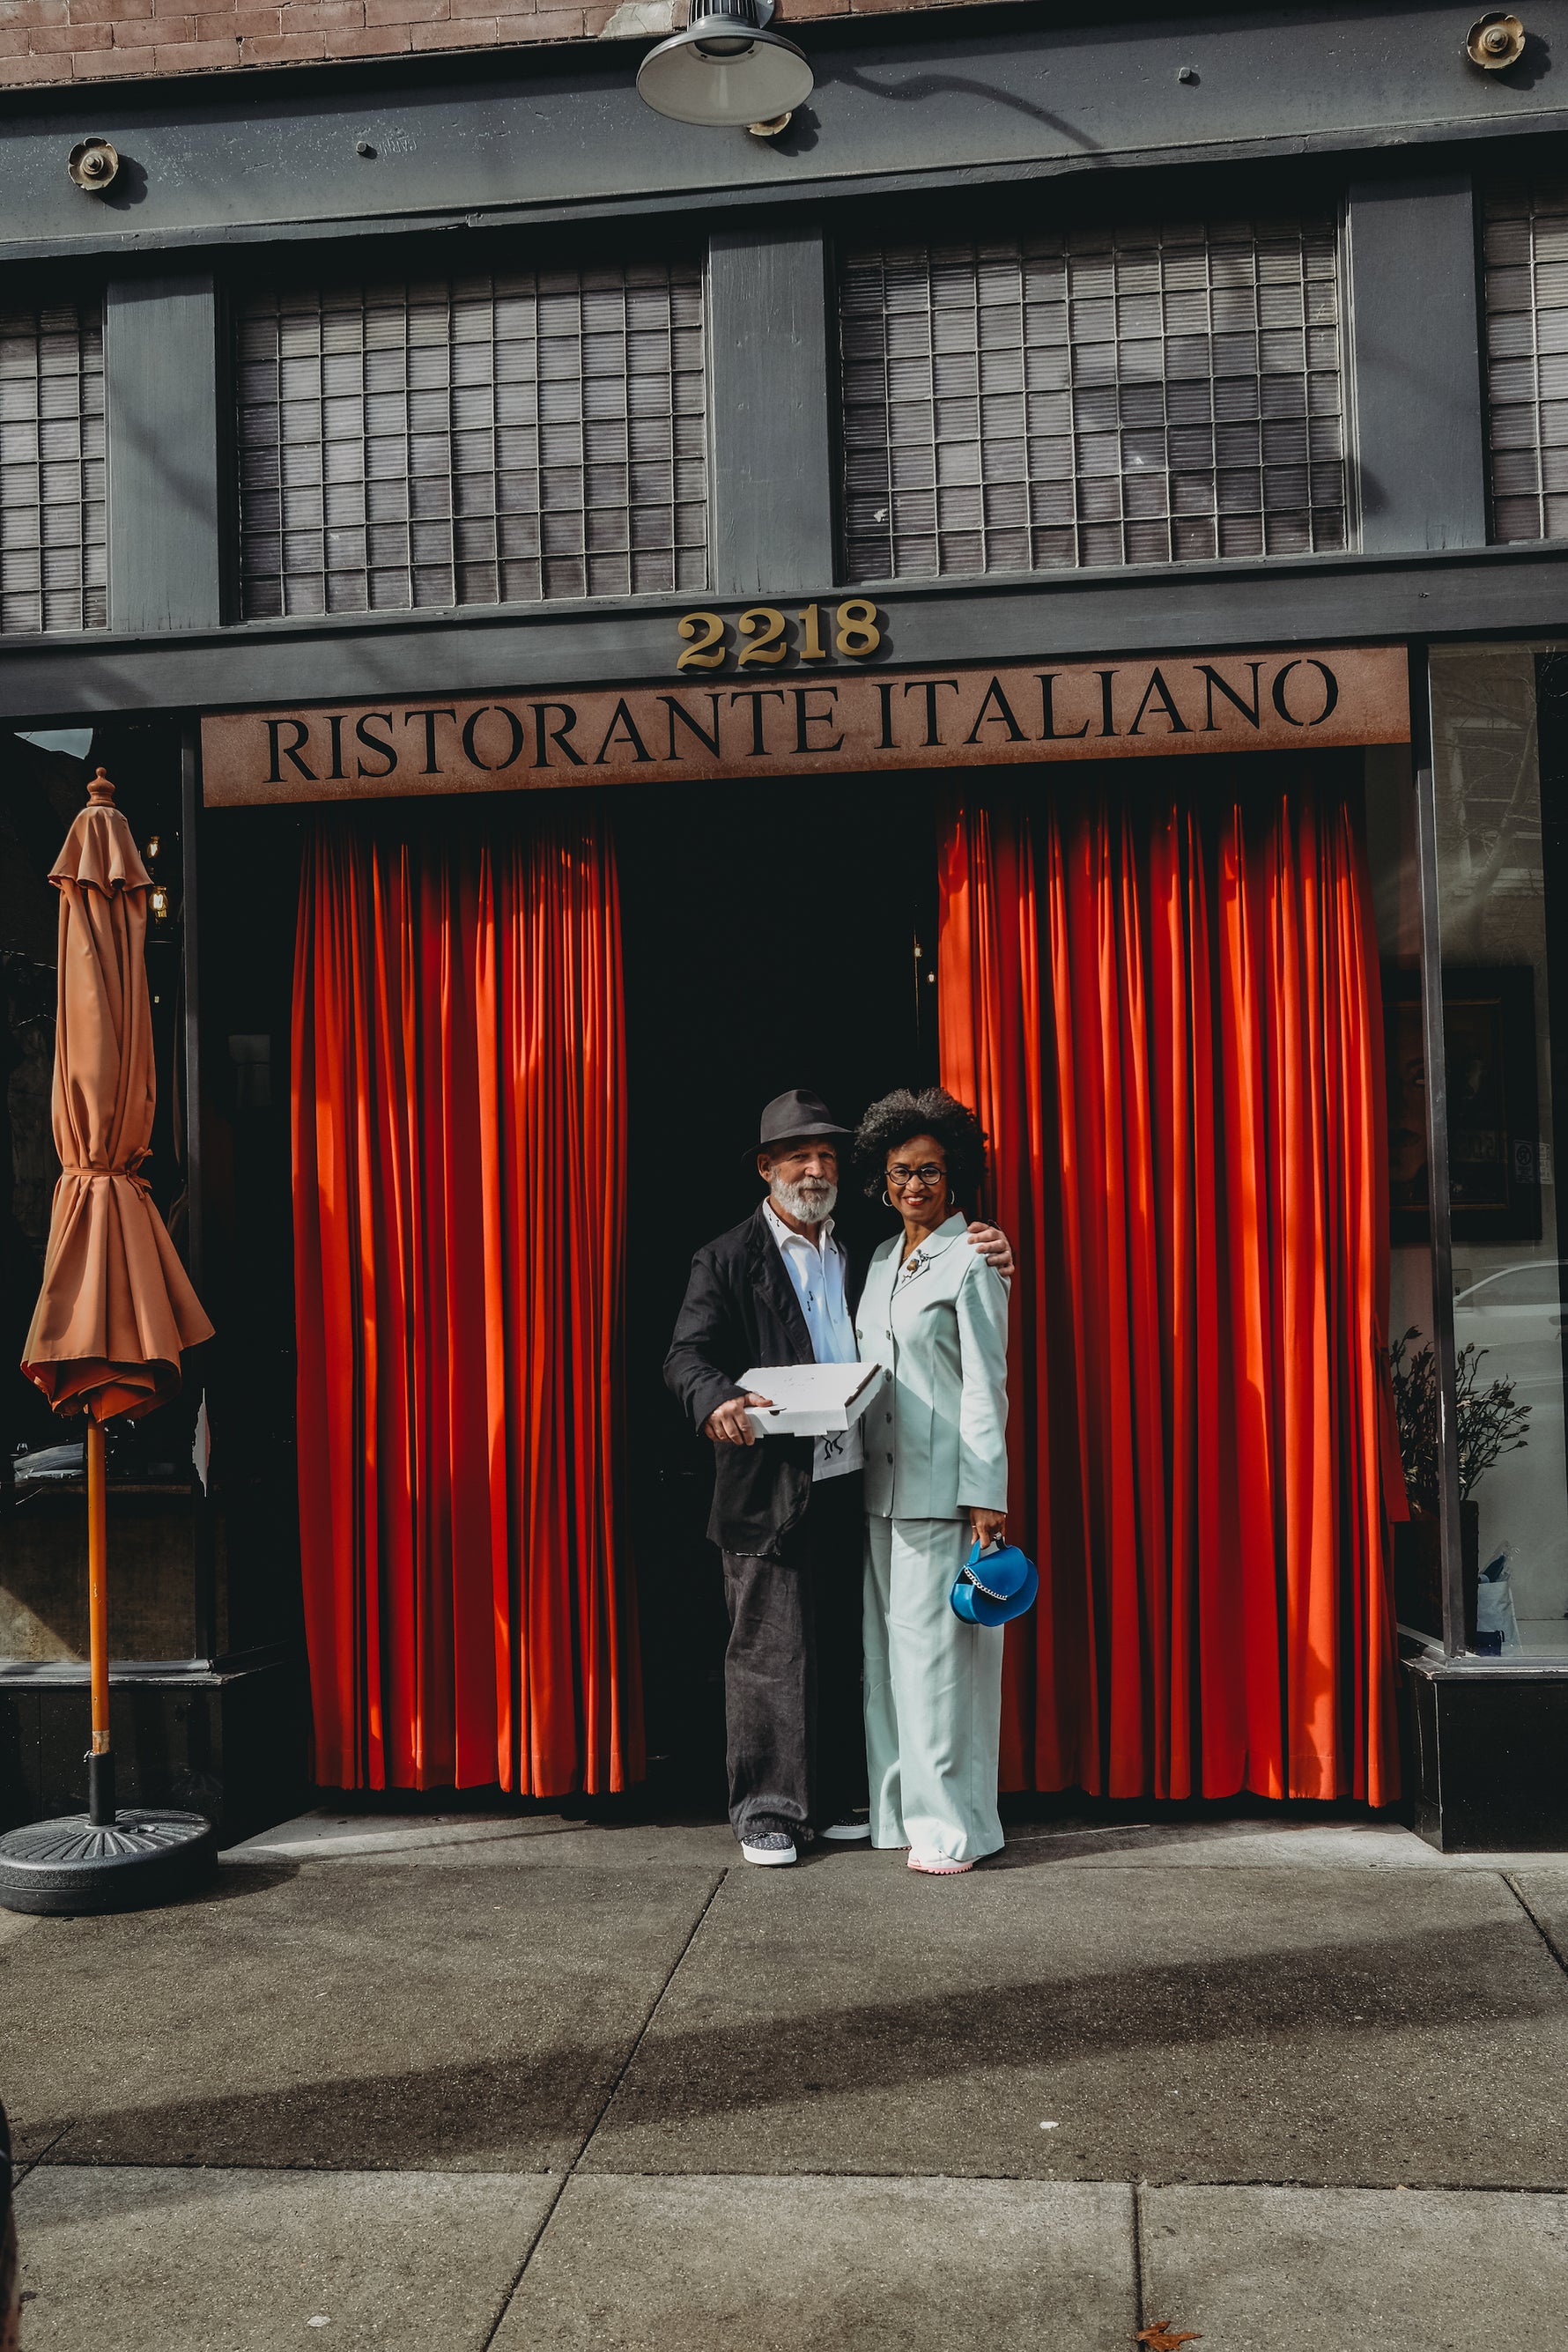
(991, 1587)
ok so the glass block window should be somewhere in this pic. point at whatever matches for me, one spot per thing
(473, 441)
(52, 547)
(1526, 278)
(1117, 396)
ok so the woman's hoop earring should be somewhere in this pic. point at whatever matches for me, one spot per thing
(885, 1196)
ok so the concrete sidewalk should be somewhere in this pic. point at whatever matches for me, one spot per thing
(449, 2082)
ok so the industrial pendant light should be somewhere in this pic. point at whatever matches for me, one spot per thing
(726, 67)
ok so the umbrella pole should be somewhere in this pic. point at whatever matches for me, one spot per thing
(122, 1862)
(100, 1759)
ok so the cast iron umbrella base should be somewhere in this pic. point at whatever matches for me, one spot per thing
(104, 1860)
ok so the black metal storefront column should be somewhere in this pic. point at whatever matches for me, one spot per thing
(198, 1367)
(1435, 1053)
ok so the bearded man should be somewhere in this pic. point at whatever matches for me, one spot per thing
(788, 1512)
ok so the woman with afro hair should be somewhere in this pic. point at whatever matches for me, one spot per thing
(935, 1313)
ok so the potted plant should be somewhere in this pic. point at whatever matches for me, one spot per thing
(1491, 1424)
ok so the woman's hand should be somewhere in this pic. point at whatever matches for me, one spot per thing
(990, 1527)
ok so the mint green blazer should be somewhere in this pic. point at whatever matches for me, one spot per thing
(936, 1440)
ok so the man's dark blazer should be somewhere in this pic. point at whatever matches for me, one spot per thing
(741, 1310)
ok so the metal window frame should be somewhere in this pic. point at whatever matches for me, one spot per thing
(1495, 188)
(1118, 224)
(88, 297)
(440, 276)
(1350, 402)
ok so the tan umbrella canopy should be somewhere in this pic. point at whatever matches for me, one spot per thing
(117, 1307)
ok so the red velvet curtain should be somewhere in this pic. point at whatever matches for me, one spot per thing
(1162, 997)
(459, 1225)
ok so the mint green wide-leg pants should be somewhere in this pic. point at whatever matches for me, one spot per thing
(933, 1696)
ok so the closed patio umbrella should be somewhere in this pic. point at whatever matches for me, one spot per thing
(115, 1312)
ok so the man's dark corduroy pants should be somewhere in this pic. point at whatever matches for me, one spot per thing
(796, 1744)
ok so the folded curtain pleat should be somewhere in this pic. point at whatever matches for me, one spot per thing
(1164, 1002)
(459, 1208)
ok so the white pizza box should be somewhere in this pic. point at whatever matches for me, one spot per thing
(810, 1400)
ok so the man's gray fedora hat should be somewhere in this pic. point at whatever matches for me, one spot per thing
(789, 1118)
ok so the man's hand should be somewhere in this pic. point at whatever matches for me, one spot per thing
(994, 1248)
(727, 1426)
(990, 1527)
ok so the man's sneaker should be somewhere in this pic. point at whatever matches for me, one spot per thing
(846, 1830)
(768, 1847)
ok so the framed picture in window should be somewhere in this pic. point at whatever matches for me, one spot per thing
(1494, 1136)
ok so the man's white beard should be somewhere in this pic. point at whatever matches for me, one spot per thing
(810, 1201)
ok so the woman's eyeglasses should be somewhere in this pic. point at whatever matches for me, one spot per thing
(929, 1173)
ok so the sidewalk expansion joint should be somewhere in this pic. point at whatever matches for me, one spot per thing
(604, 2104)
(622, 2070)
(1137, 2188)
(1540, 1928)
(505, 2304)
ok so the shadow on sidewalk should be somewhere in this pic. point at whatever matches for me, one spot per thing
(1352, 1991)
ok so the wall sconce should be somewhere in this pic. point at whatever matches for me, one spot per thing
(1494, 41)
(159, 910)
(726, 69)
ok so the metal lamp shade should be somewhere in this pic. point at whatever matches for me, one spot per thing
(725, 68)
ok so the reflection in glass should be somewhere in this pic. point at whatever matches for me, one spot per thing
(1501, 760)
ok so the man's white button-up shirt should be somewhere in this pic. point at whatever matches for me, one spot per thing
(818, 1276)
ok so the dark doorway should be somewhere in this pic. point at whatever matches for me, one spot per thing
(770, 939)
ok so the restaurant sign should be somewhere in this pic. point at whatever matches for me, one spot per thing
(848, 719)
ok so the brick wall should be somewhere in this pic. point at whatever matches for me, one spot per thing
(101, 40)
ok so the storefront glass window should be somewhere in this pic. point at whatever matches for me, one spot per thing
(1114, 396)
(1501, 770)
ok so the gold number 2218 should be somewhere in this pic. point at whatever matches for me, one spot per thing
(855, 636)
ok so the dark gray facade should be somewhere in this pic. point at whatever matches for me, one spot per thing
(963, 118)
